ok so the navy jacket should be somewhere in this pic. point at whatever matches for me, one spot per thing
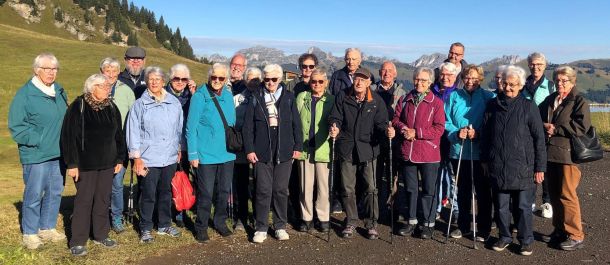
(138, 87)
(340, 81)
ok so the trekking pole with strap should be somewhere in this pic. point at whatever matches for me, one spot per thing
(391, 186)
(454, 195)
(332, 176)
(231, 198)
(474, 218)
(130, 207)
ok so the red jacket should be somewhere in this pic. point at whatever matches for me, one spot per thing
(428, 120)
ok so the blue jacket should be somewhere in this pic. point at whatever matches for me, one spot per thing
(538, 91)
(154, 130)
(205, 132)
(462, 109)
(340, 81)
(35, 120)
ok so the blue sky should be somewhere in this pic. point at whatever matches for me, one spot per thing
(404, 30)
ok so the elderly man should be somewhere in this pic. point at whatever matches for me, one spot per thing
(135, 60)
(456, 57)
(343, 78)
(237, 67)
(358, 121)
(308, 62)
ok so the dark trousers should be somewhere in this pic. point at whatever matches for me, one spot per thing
(384, 182)
(241, 190)
(522, 203)
(482, 189)
(350, 171)
(91, 206)
(271, 193)
(208, 177)
(156, 191)
(426, 203)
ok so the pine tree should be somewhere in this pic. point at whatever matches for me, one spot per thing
(59, 15)
(132, 39)
(116, 37)
(151, 21)
(185, 49)
(160, 30)
(88, 17)
(125, 7)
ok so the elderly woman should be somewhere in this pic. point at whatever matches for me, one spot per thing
(464, 112)
(241, 182)
(154, 134)
(497, 85)
(515, 155)
(93, 147)
(122, 96)
(314, 107)
(34, 120)
(272, 139)
(420, 119)
(565, 115)
(307, 64)
(205, 136)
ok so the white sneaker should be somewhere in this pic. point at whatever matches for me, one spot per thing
(32, 241)
(51, 235)
(547, 210)
(259, 237)
(281, 234)
(533, 207)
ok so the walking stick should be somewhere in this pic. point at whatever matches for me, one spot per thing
(130, 209)
(453, 197)
(391, 186)
(474, 219)
(330, 193)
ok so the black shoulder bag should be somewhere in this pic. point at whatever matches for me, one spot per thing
(233, 138)
(586, 148)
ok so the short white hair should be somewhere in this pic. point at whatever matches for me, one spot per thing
(273, 69)
(449, 66)
(424, 69)
(254, 71)
(219, 66)
(348, 50)
(536, 55)
(45, 55)
(239, 55)
(93, 80)
(179, 68)
(154, 70)
(501, 68)
(517, 71)
(110, 62)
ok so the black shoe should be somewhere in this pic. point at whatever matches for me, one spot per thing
(556, 236)
(324, 227)
(305, 226)
(180, 223)
(482, 237)
(406, 230)
(78, 251)
(526, 249)
(109, 243)
(202, 236)
(224, 232)
(336, 207)
(571, 244)
(500, 245)
(426, 232)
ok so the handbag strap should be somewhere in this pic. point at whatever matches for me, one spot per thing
(222, 115)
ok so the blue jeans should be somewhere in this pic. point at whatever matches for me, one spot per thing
(44, 184)
(446, 188)
(156, 193)
(522, 208)
(116, 201)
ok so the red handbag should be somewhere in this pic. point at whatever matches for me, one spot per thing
(182, 191)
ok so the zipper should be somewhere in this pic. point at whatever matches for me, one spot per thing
(267, 122)
(413, 142)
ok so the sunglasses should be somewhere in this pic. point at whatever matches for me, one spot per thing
(274, 79)
(305, 66)
(219, 78)
(319, 82)
(178, 79)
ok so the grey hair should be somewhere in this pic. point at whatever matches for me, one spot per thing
(44, 55)
(240, 55)
(94, 80)
(348, 50)
(179, 68)
(273, 69)
(221, 67)
(255, 71)
(501, 68)
(154, 70)
(517, 71)
(424, 69)
(109, 62)
(536, 55)
(320, 72)
(449, 67)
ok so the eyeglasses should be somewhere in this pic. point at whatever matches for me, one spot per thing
(134, 59)
(537, 65)
(274, 79)
(155, 80)
(506, 84)
(178, 79)
(471, 79)
(102, 86)
(563, 81)
(219, 78)
(49, 69)
(421, 80)
(310, 66)
(455, 54)
(237, 65)
(319, 82)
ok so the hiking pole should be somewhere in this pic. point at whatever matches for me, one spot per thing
(454, 195)
(391, 186)
(474, 218)
(330, 193)
(231, 198)
(130, 209)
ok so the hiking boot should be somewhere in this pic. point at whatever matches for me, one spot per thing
(555, 237)
(179, 223)
(109, 243)
(51, 235)
(146, 237)
(305, 226)
(324, 227)
(482, 238)
(348, 231)
(117, 225)
(78, 251)
(372, 233)
(202, 236)
(239, 226)
(500, 245)
(526, 249)
(426, 232)
(32, 241)
(281, 235)
(259, 237)
(571, 244)
(547, 210)
(456, 233)
(224, 231)
(337, 208)
(406, 230)
(168, 231)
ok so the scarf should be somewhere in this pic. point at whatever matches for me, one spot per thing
(419, 97)
(48, 90)
(94, 104)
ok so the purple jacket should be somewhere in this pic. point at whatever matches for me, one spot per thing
(428, 120)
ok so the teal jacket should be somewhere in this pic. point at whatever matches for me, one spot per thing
(323, 108)
(462, 109)
(205, 133)
(34, 120)
(538, 91)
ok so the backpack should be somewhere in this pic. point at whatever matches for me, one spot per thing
(182, 191)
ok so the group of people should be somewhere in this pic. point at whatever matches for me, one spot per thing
(448, 138)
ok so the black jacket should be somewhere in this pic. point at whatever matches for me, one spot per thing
(361, 127)
(92, 140)
(256, 134)
(340, 81)
(514, 139)
(138, 87)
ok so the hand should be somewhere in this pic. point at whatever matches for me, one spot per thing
(195, 163)
(471, 133)
(410, 134)
(296, 154)
(118, 168)
(192, 86)
(139, 167)
(252, 158)
(334, 131)
(549, 128)
(538, 177)
(463, 133)
(390, 132)
(73, 172)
